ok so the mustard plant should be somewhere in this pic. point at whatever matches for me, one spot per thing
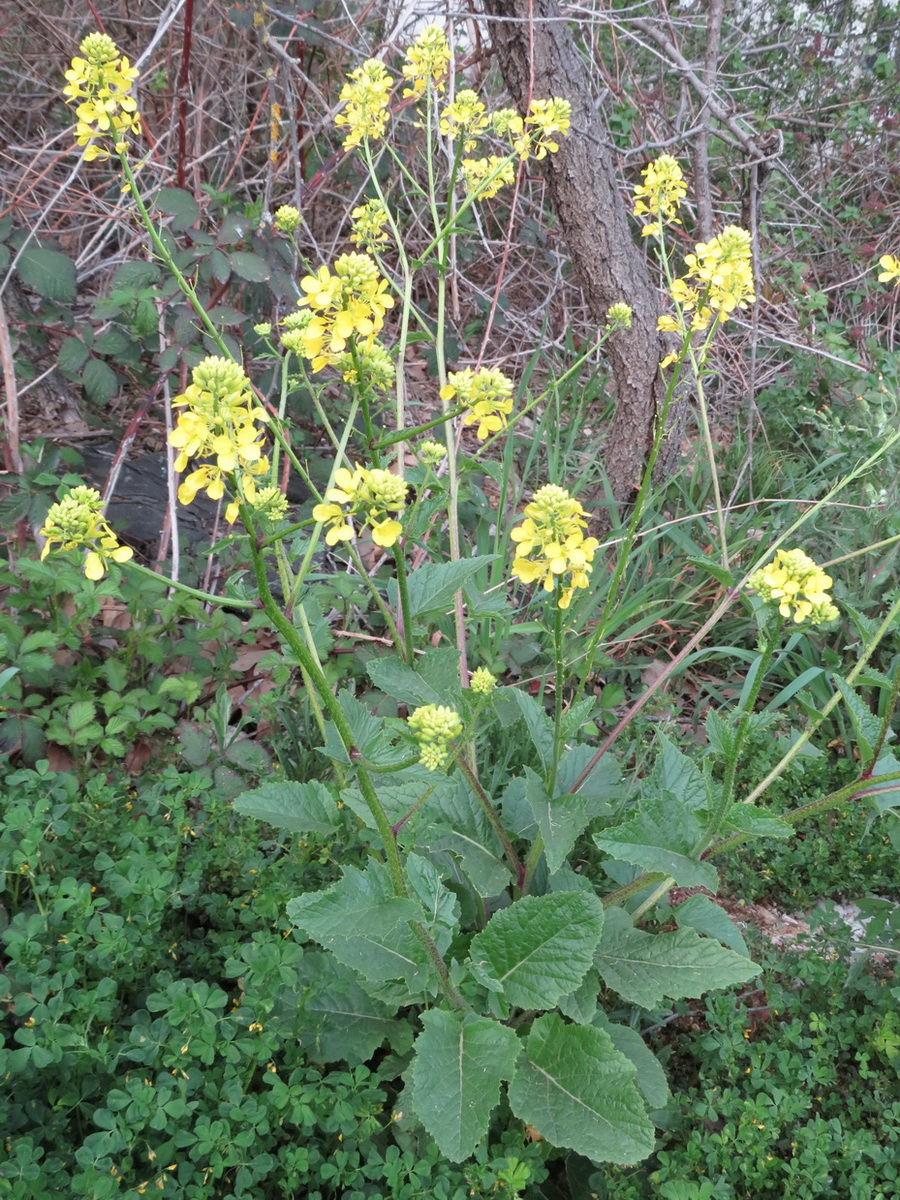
(493, 962)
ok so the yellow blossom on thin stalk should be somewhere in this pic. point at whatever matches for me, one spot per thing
(219, 422)
(546, 119)
(368, 227)
(797, 585)
(660, 195)
(369, 495)
(484, 177)
(100, 85)
(487, 394)
(77, 523)
(351, 303)
(550, 546)
(890, 271)
(427, 61)
(435, 726)
(465, 115)
(365, 98)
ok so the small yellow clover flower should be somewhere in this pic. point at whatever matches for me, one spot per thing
(369, 495)
(550, 544)
(76, 523)
(435, 726)
(100, 85)
(797, 585)
(660, 195)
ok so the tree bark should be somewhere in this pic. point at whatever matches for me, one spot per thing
(538, 59)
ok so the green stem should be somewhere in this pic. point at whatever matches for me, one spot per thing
(405, 613)
(163, 251)
(207, 597)
(494, 817)
(376, 596)
(722, 807)
(710, 454)
(558, 697)
(656, 894)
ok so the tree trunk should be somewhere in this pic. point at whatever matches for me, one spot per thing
(538, 59)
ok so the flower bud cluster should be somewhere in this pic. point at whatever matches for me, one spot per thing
(77, 523)
(100, 83)
(550, 546)
(487, 395)
(435, 726)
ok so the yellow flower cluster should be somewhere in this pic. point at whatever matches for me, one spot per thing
(76, 523)
(287, 218)
(553, 533)
(427, 61)
(219, 423)
(546, 119)
(100, 84)
(797, 585)
(369, 495)
(719, 279)
(466, 116)
(660, 195)
(435, 726)
(376, 367)
(351, 303)
(365, 98)
(487, 394)
(890, 269)
(486, 176)
(368, 227)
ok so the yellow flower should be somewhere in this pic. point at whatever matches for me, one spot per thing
(797, 585)
(77, 523)
(350, 303)
(435, 726)
(466, 115)
(369, 495)
(219, 422)
(484, 177)
(545, 119)
(487, 394)
(890, 269)
(427, 61)
(722, 272)
(99, 84)
(365, 98)
(550, 544)
(660, 195)
(368, 228)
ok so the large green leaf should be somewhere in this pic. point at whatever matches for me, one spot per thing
(335, 1019)
(249, 266)
(602, 784)
(538, 724)
(676, 773)
(866, 726)
(560, 820)
(180, 205)
(366, 926)
(578, 1091)
(435, 681)
(649, 1077)
(49, 272)
(644, 968)
(460, 1061)
(707, 917)
(432, 587)
(463, 829)
(298, 807)
(662, 836)
(369, 736)
(440, 906)
(540, 948)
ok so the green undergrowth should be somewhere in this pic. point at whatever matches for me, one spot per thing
(154, 1040)
(788, 1090)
